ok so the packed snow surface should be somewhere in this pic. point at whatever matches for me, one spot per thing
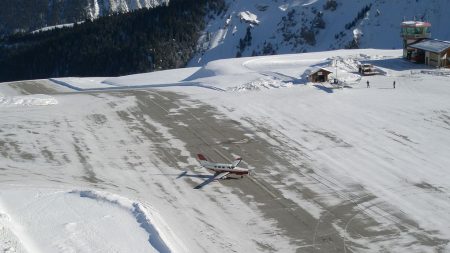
(29, 100)
(390, 144)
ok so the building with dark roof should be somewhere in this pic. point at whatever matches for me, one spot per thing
(319, 75)
(418, 47)
(434, 53)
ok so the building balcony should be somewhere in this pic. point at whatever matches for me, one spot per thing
(409, 36)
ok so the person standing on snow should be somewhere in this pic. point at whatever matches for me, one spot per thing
(368, 85)
(394, 84)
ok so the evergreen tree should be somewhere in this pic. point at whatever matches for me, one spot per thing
(144, 40)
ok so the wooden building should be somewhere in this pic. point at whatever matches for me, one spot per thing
(434, 53)
(319, 75)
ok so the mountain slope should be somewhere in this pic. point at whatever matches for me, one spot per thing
(242, 28)
(25, 15)
(143, 40)
(262, 27)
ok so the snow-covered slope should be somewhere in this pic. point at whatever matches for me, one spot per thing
(261, 27)
(98, 8)
(25, 15)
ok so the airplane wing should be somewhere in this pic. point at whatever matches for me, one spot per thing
(209, 180)
(236, 162)
(216, 176)
(220, 175)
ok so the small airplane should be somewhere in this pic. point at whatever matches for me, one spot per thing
(221, 170)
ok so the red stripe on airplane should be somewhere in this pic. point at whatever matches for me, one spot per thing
(201, 157)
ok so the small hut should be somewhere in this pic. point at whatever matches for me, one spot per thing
(319, 75)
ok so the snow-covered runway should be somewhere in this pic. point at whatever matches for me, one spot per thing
(354, 170)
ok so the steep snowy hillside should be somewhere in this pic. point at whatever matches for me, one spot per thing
(262, 27)
(98, 8)
(25, 15)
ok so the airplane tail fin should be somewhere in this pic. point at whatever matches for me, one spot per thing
(202, 159)
(236, 162)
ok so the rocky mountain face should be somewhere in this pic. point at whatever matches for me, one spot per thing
(26, 15)
(262, 27)
(257, 27)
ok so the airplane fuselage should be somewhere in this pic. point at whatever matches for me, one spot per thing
(223, 170)
(230, 169)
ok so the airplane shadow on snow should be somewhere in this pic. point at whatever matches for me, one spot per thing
(209, 178)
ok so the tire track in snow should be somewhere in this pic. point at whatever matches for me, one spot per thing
(208, 145)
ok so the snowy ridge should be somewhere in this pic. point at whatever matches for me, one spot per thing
(49, 28)
(248, 17)
(12, 238)
(139, 212)
(45, 15)
(99, 8)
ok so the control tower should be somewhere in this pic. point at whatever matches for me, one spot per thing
(413, 32)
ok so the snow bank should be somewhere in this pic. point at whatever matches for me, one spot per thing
(29, 100)
(52, 220)
(12, 236)
(163, 78)
(138, 211)
(153, 78)
(261, 84)
(81, 83)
